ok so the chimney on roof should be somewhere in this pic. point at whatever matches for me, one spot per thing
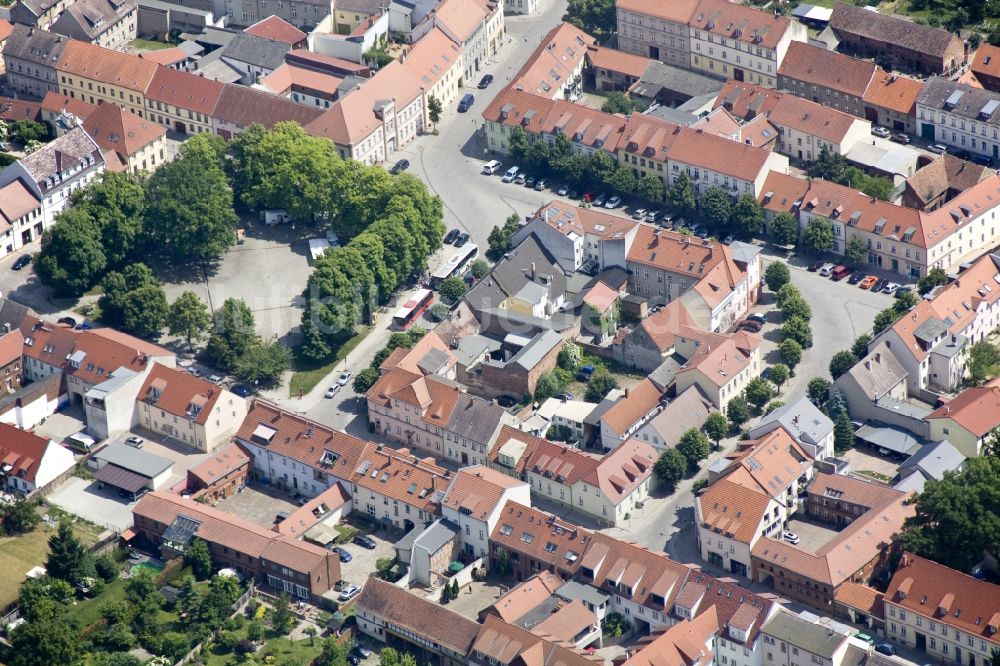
(878, 357)
(626, 393)
(868, 365)
(532, 273)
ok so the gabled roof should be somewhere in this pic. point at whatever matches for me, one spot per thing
(944, 174)
(185, 90)
(461, 18)
(432, 57)
(478, 490)
(21, 451)
(560, 54)
(677, 11)
(244, 106)
(541, 536)
(121, 131)
(33, 45)
(220, 463)
(56, 103)
(525, 445)
(768, 465)
(61, 154)
(895, 92)
(508, 643)
(946, 596)
(674, 252)
(740, 23)
(115, 68)
(878, 27)
(733, 510)
(686, 411)
(836, 71)
(811, 118)
(623, 469)
(730, 158)
(16, 201)
(802, 632)
(260, 51)
(100, 352)
(801, 418)
(525, 597)
(95, 17)
(688, 642)
(851, 489)
(179, 393)
(976, 409)
(614, 60)
(276, 29)
(631, 408)
(663, 326)
(721, 362)
(860, 597)
(735, 606)
(420, 616)
(619, 564)
(987, 61)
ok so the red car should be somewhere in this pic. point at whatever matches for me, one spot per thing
(750, 325)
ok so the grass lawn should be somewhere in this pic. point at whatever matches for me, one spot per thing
(89, 611)
(875, 475)
(284, 650)
(19, 554)
(305, 377)
(148, 45)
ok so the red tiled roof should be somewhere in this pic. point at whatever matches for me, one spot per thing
(860, 597)
(525, 597)
(107, 66)
(220, 463)
(556, 542)
(708, 151)
(56, 103)
(22, 451)
(560, 54)
(759, 28)
(13, 110)
(119, 130)
(637, 402)
(478, 490)
(185, 90)
(836, 71)
(614, 60)
(811, 118)
(732, 509)
(676, 11)
(278, 30)
(179, 393)
(976, 409)
(16, 201)
(894, 92)
(244, 107)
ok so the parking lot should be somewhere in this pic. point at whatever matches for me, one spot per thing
(363, 561)
(258, 504)
(100, 506)
(813, 535)
(864, 459)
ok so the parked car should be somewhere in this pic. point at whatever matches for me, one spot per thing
(613, 202)
(856, 277)
(506, 401)
(541, 184)
(349, 593)
(639, 213)
(888, 649)
(345, 555)
(758, 316)
(750, 325)
(485, 81)
(563, 396)
(332, 391)
(462, 239)
(519, 179)
(868, 282)
(134, 441)
(983, 160)
(492, 167)
(69, 321)
(899, 137)
(451, 236)
(573, 194)
(400, 166)
(344, 378)
(839, 273)
(468, 99)
(194, 372)
(790, 537)
(600, 199)
(880, 285)
(361, 651)
(21, 262)
(510, 175)
(865, 637)
(902, 290)
(563, 190)
(826, 270)
(766, 374)
(816, 265)
(529, 181)
(584, 373)
(729, 240)
(938, 148)
(881, 131)
(891, 288)
(364, 541)
(241, 390)
(654, 216)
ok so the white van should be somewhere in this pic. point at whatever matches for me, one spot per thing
(826, 270)
(511, 174)
(492, 167)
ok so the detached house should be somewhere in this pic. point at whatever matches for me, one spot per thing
(719, 365)
(968, 420)
(30, 462)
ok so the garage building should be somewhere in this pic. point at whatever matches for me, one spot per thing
(131, 470)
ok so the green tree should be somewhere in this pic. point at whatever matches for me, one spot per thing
(991, 447)
(777, 275)
(30, 130)
(758, 392)
(390, 657)
(133, 300)
(619, 102)
(738, 411)
(860, 345)
(681, 196)
(791, 352)
(904, 301)
(934, 277)
(650, 188)
(282, 617)
(836, 404)
(785, 293)
(199, 558)
(479, 269)
(957, 519)
(780, 374)
(42, 597)
(569, 356)
(19, 516)
(841, 362)
(818, 391)
(499, 238)
(547, 386)
(596, 17)
(716, 427)
(772, 405)
(518, 142)
(716, 207)
(747, 214)
(818, 236)
(117, 204)
(452, 289)
(621, 181)
(670, 468)
(364, 380)
(797, 329)
(828, 166)
(434, 109)
(856, 252)
(796, 307)
(232, 335)
(71, 259)
(600, 383)
(68, 560)
(784, 229)
(843, 432)
(190, 212)
(694, 446)
(984, 361)
(188, 600)
(45, 642)
(884, 320)
(263, 363)
(188, 317)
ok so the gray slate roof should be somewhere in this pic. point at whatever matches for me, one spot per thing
(34, 45)
(265, 53)
(968, 101)
(12, 314)
(95, 17)
(134, 460)
(659, 76)
(892, 439)
(540, 345)
(801, 419)
(933, 460)
(440, 532)
(59, 155)
(877, 373)
(805, 635)
(848, 19)
(475, 418)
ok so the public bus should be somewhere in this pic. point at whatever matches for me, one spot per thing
(412, 309)
(456, 264)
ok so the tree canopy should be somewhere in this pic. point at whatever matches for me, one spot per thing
(777, 275)
(784, 229)
(817, 236)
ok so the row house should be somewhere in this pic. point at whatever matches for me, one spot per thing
(376, 119)
(891, 101)
(39, 14)
(302, 85)
(953, 617)
(960, 116)
(578, 236)
(241, 107)
(436, 62)
(720, 366)
(130, 143)
(475, 501)
(304, 14)
(631, 411)
(937, 183)
(896, 42)
(107, 23)
(750, 496)
(931, 341)
(396, 488)
(839, 499)
(276, 562)
(688, 642)
(986, 67)
(181, 101)
(710, 37)
(526, 542)
(555, 69)
(829, 78)
(859, 553)
(616, 70)
(476, 25)
(98, 75)
(791, 640)
(712, 161)
(20, 213)
(52, 174)
(30, 56)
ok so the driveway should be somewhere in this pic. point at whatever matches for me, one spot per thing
(101, 507)
(363, 561)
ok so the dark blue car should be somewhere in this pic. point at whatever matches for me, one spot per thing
(241, 390)
(345, 556)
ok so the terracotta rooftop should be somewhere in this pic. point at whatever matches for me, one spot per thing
(16, 201)
(121, 131)
(631, 408)
(220, 463)
(277, 29)
(402, 476)
(166, 57)
(811, 118)
(943, 176)
(721, 362)
(686, 642)
(185, 90)
(720, 123)
(179, 393)
(987, 61)
(478, 490)
(674, 252)
(648, 136)
(946, 596)
(107, 66)
(663, 326)
(746, 100)
(631, 571)
(851, 489)
(733, 510)
(614, 60)
(432, 57)
(891, 91)
(737, 160)
(560, 54)
(860, 597)
(56, 103)
(22, 450)
(677, 11)
(526, 596)
(541, 536)
(836, 71)
(623, 469)
(567, 622)
(976, 409)
(735, 606)
(768, 465)
(461, 18)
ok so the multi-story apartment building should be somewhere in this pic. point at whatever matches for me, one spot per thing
(733, 41)
(53, 172)
(829, 78)
(30, 56)
(656, 30)
(711, 160)
(719, 365)
(795, 640)
(38, 13)
(953, 617)
(475, 500)
(20, 211)
(181, 101)
(805, 128)
(436, 61)
(107, 23)
(304, 14)
(130, 143)
(968, 420)
(840, 499)
(476, 25)
(397, 488)
(555, 69)
(961, 116)
(98, 75)
(891, 101)
(553, 544)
